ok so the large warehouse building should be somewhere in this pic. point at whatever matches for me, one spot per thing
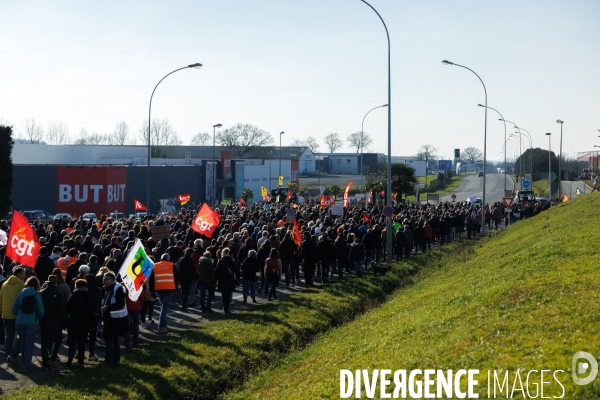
(101, 179)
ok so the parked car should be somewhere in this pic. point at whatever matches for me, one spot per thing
(89, 217)
(38, 215)
(477, 202)
(141, 214)
(480, 174)
(62, 216)
(116, 216)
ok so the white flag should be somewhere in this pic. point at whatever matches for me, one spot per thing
(136, 269)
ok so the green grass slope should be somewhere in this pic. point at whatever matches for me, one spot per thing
(526, 299)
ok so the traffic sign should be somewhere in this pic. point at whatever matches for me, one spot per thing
(419, 185)
(526, 184)
(508, 201)
(388, 211)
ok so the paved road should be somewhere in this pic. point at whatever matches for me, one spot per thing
(570, 187)
(472, 185)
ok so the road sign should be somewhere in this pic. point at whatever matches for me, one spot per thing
(526, 184)
(388, 211)
(507, 201)
(433, 197)
(419, 185)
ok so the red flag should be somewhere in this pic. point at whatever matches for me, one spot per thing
(327, 201)
(346, 194)
(289, 195)
(206, 221)
(297, 233)
(241, 200)
(184, 198)
(138, 206)
(23, 245)
(365, 218)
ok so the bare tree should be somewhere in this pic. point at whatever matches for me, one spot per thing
(201, 139)
(309, 142)
(57, 133)
(90, 139)
(244, 139)
(471, 155)
(33, 131)
(162, 133)
(120, 135)
(359, 139)
(427, 152)
(4, 122)
(333, 141)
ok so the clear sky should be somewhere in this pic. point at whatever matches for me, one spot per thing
(309, 68)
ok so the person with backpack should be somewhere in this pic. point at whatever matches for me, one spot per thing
(273, 272)
(29, 309)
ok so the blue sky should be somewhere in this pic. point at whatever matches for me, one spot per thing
(309, 68)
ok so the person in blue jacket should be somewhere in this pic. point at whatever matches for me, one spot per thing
(27, 323)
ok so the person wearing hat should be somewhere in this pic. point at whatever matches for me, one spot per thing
(54, 315)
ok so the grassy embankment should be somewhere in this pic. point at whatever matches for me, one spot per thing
(525, 299)
(451, 186)
(205, 361)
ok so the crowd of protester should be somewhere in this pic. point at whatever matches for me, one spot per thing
(74, 285)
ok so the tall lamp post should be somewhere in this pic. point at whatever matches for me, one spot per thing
(514, 135)
(530, 149)
(214, 167)
(501, 119)
(362, 132)
(446, 62)
(148, 204)
(559, 121)
(549, 167)
(389, 230)
(281, 133)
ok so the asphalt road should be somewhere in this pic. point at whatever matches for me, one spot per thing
(472, 185)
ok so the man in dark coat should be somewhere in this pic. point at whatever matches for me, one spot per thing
(186, 273)
(43, 265)
(114, 314)
(226, 274)
(326, 253)
(80, 320)
(309, 259)
(51, 324)
(288, 249)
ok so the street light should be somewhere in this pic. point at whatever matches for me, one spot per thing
(148, 204)
(214, 167)
(362, 132)
(446, 62)
(520, 155)
(559, 121)
(549, 168)
(530, 149)
(281, 133)
(389, 230)
(501, 119)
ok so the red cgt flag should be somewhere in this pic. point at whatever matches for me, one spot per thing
(138, 206)
(289, 195)
(206, 221)
(23, 244)
(365, 217)
(184, 198)
(297, 238)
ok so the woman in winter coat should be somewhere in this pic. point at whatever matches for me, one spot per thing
(226, 274)
(273, 272)
(357, 256)
(80, 321)
(29, 309)
(249, 269)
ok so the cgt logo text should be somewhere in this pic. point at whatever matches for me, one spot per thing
(432, 384)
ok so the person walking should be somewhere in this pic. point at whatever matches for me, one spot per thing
(226, 274)
(273, 272)
(81, 319)
(114, 315)
(51, 324)
(8, 293)
(187, 269)
(206, 281)
(357, 256)
(163, 283)
(249, 269)
(29, 310)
